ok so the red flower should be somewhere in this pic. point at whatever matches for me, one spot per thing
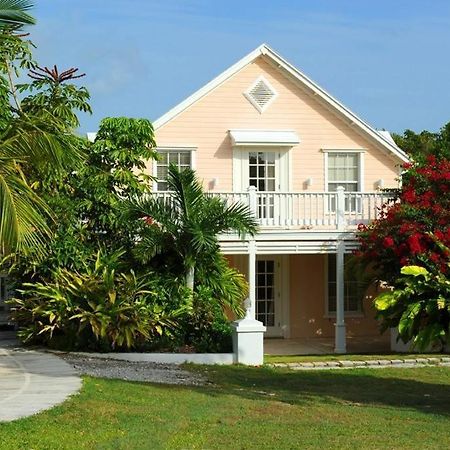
(388, 242)
(414, 243)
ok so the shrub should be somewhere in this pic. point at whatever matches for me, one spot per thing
(96, 309)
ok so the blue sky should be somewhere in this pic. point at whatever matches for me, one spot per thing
(387, 60)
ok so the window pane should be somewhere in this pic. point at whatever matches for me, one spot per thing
(252, 158)
(173, 158)
(270, 185)
(185, 158)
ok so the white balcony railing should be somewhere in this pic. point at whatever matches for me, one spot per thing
(316, 210)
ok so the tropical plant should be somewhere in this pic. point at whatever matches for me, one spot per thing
(13, 14)
(188, 224)
(28, 139)
(419, 307)
(99, 307)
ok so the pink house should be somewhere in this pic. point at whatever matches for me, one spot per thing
(311, 170)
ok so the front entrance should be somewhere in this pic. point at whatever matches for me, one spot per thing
(271, 303)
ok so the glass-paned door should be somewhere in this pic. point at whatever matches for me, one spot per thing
(268, 295)
(262, 173)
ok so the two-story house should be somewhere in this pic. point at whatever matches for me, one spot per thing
(311, 170)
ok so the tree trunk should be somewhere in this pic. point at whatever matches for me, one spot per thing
(190, 278)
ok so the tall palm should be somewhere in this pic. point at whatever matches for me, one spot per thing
(13, 13)
(189, 222)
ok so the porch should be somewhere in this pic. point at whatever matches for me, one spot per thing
(326, 346)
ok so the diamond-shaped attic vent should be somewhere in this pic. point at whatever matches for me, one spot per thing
(261, 94)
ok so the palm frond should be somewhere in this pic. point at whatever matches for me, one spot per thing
(13, 13)
(22, 213)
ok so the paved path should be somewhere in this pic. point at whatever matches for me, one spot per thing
(32, 381)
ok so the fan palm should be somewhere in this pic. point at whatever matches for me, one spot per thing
(188, 222)
(13, 13)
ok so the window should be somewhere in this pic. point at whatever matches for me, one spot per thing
(344, 170)
(265, 292)
(261, 174)
(353, 289)
(181, 158)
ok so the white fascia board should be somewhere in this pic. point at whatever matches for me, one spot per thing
(279, 138)
(300, 77)
(328, 98)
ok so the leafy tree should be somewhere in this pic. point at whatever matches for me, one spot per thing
(187, 224)
(419, 145)
(27, 139)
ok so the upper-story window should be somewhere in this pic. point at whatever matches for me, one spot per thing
(182, 158)
(344, 170)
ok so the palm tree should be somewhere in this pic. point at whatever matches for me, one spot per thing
(189, 222)
(13, 14)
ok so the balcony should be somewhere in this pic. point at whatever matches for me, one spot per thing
(338, 210)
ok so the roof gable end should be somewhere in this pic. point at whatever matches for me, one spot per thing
(264, 50)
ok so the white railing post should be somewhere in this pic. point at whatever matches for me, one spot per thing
(340, 208)
(252, 200)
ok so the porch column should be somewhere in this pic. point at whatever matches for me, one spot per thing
(340, 343)
(252, 279)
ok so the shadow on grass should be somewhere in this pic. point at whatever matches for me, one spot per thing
(351, 387)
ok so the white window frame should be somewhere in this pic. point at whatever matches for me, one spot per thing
(172, 148)
(360, 152)
(332, 314)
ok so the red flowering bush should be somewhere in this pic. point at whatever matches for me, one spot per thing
(408, 247)
(414, 227)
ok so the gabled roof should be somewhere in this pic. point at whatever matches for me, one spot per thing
(380, 138)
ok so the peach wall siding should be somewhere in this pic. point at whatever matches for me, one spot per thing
(306, 297)
(205, 125)
(307, 302)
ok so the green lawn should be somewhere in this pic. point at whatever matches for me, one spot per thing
(251, 408)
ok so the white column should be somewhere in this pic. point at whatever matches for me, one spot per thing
(252, 279)
(248, 333)
(340, 208)
(340, 342)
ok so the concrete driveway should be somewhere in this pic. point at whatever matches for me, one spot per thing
(31, 381)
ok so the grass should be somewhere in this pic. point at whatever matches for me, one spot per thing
(246, 408)
(271, 359)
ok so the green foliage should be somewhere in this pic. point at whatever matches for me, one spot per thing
(419, 307)
(188, 223)
(419, 145)
(13, 14)
(96, 308)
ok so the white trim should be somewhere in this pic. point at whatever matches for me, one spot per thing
(249, 97)
(360, 167)
(343, 150)
(305, 82)
(264, 138)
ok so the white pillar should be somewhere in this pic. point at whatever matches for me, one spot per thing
(248, 333)
(340, 342)
(340, 208)
(252, 278)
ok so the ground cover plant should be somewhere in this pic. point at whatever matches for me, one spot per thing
(251, 408)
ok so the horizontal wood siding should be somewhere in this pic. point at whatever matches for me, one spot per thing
(205, 125)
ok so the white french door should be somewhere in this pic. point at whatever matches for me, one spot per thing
(269, 294)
